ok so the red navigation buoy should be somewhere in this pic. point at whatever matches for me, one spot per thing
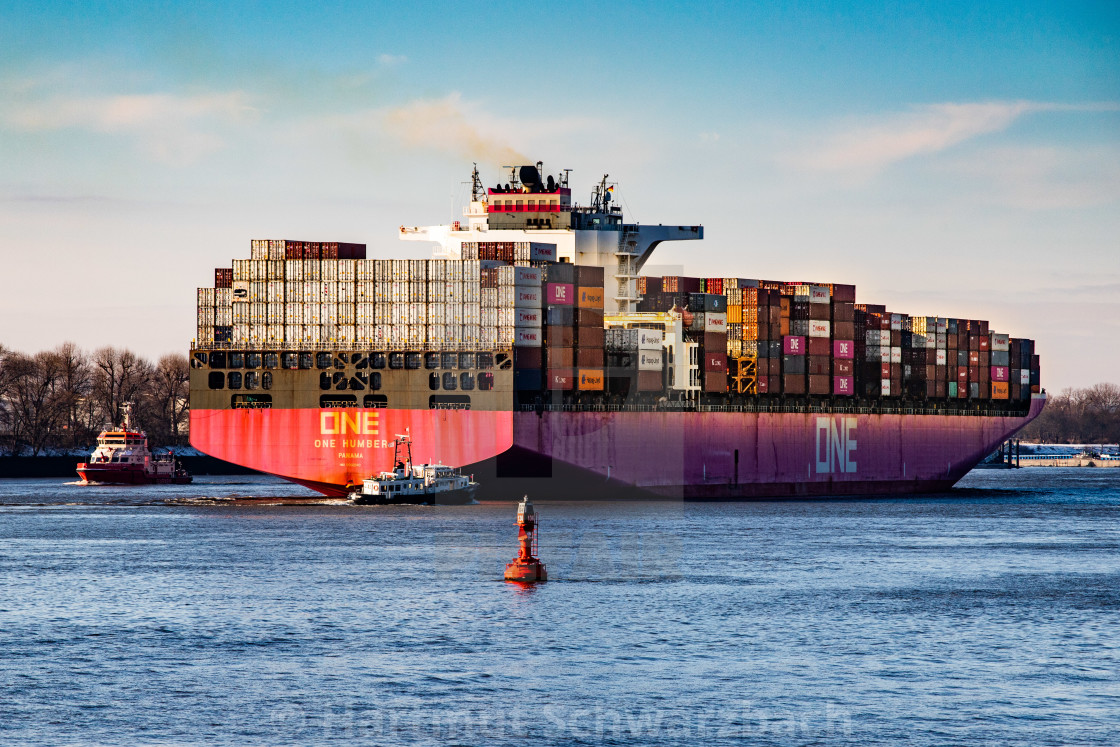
(525, 567)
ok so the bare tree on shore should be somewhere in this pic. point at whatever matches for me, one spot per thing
(1082, 416)
(62, 398)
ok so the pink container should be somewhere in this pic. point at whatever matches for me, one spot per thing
(844, 349)
(561, 294)
(793, 345)
(1000, 373)
(843, 385)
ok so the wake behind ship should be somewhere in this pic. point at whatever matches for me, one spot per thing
(532, 352)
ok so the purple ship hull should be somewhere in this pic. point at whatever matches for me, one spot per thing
(735, 455)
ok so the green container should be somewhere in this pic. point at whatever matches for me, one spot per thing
(952, 389)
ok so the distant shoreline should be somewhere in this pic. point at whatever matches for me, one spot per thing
(64, 466)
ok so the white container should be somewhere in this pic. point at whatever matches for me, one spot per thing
(896, 322)
(347, 270)
(346, 334)
(275, 314)
(941, 357)
(293, 334)
(649, 339)
(651, 360)
(293, 269)
(527, 277)
(205, 316)
(275, 269)
(206, 296)
(293, 313)
(328, 270)
(539, 252)
(1001, 342)
(818, 328)
(896, 355)
(819, 294)
(241, 270)
(347, 314)
(885, 387)
(311, 270)
(527, 298)
(529, 337)
(528, 318)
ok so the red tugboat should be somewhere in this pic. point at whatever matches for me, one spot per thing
(122, 457)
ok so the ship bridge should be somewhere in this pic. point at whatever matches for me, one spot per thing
(533, 207)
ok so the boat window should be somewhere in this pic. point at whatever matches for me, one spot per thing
(449, 402)
(433, 382)
(359, 360)
(340, 380)
(236, 360)
(338, 400)
(234, 379)
(485, 381)
(323, 360)
(449, 382)
(412, 361)
(466, 381)
(340, 361)
(200, 360)
(449, 360)
(217, 380)
(252, 360)
(305, 361)
(358, 383)
(252, 380)
(271, 360)
(396, 360)
(289, 360)
(485, 360)
(466, 360)
(377, 360)
(375, 380)
(375, 400)
(266, 380)
(324, 380)
(217, 359)
(251, 401)
(431, 360)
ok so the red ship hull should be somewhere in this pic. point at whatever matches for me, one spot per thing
(690, 455)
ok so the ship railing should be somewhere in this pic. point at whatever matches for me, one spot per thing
(764, 408)
(273, 346)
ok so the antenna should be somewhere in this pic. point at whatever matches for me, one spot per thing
(477, 191)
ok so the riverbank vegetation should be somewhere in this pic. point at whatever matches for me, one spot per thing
(62, 398)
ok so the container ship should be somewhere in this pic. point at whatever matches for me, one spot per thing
(534, 353)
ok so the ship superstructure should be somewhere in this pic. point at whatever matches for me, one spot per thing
(534, 351)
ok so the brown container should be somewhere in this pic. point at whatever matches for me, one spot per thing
(843, 330)
(590, 337)
(818, 345)
(841, 367)
(896, 338)
(559, 337)
(820, 384)
(715, 341)
(649, 381)
(589, 276)
(715, 360)
(589, 318)
(931, 372)
(884, 370)
(223, 277)
(559, 357)
(817, 365)
(843, 312)
(985, 358)
(793, 384)
(962, 376)
(974, 373)
(896, 372)
(715, 381)
(559, 379)
(844, 293)
(774, 368)
(783, 326)
(820, 311)
(589, 357)
(525, 358)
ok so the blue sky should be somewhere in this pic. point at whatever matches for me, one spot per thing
(958, 159)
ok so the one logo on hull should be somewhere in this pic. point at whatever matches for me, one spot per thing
(835, 446)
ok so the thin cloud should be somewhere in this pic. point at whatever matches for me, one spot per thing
(170, 128)
(874, 145)
(391, 60)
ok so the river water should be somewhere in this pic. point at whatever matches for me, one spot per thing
(175, 615)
